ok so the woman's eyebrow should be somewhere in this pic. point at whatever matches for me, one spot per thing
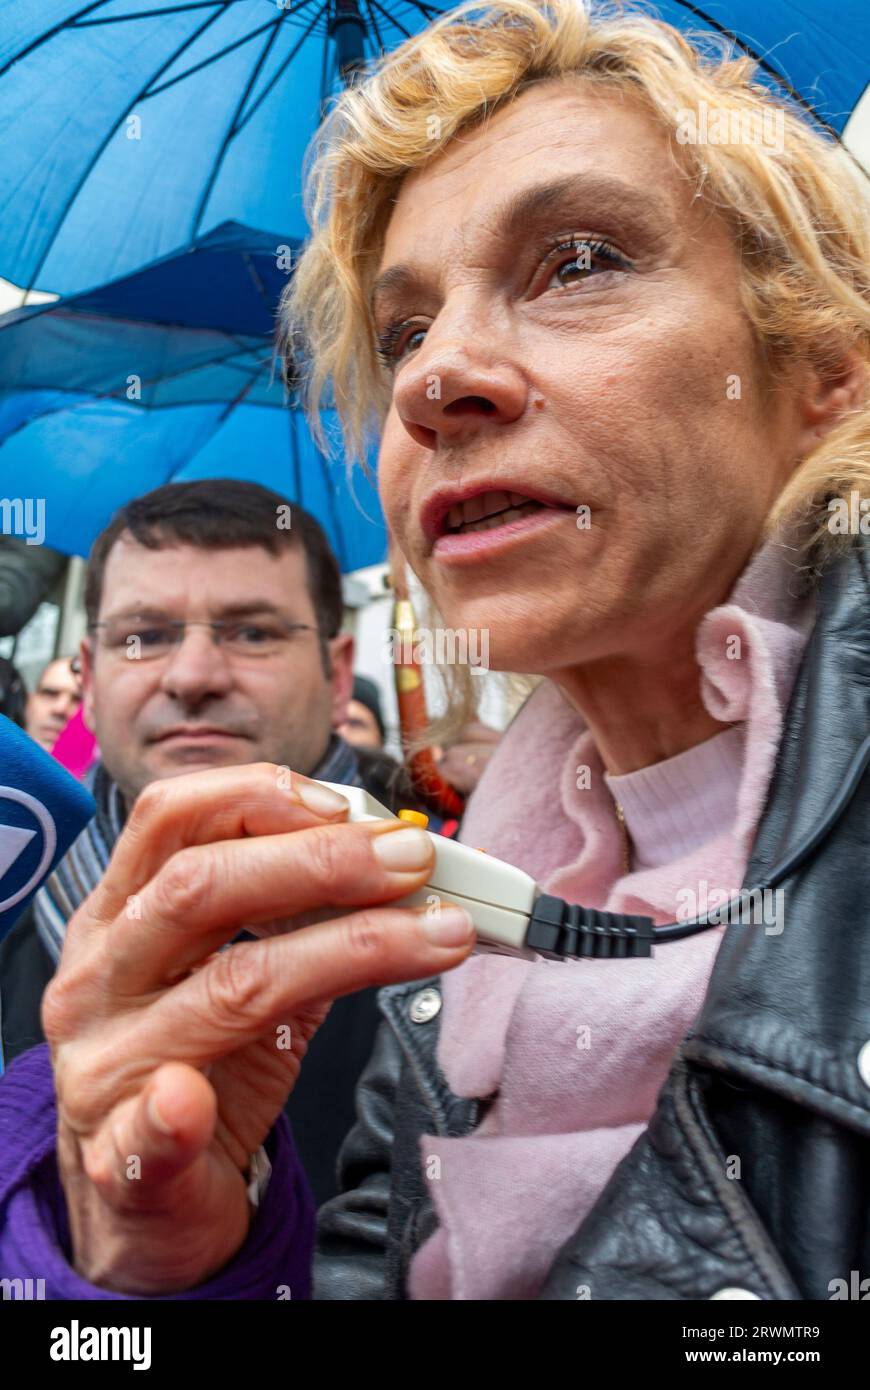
(585, 195)
(593, 197)
(396, 282)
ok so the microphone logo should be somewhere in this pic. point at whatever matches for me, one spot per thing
(28, 839)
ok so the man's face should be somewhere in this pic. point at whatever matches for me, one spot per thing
(55, 700)
(201, 705)
(360, 727)
(589, 353)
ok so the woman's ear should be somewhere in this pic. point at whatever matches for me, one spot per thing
(830, 395)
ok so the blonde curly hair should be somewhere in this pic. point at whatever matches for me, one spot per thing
(800, 215)
(799, 212)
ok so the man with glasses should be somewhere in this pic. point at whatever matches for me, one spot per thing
(213, 639)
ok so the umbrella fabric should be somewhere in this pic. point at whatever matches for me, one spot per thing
(812, 51)
(197, 326)
(168, 375)
(89, 458)
(131, 127)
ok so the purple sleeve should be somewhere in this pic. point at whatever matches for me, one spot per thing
(34, 1234)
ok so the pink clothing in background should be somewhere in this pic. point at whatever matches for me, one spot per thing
(75, 746)
(575, 1053)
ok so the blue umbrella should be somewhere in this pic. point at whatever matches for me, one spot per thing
(166, 375)
(131, 127)
(810, 51)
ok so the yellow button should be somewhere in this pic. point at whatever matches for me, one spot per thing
(415, 817)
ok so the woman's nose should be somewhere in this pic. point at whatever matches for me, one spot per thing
(451, 391)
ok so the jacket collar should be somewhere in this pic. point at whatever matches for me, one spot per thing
(451, 1114)
(788, 1010)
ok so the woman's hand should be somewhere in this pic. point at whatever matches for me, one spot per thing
(172, 1058)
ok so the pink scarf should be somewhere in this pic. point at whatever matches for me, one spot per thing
(575, 1054)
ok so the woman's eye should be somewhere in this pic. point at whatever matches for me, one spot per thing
(573, 261)
(588, 258)
(409, 343)
(396, 340)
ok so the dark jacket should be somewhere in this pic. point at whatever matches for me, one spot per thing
(772, 1073)
(28, 573)
(321, 1107)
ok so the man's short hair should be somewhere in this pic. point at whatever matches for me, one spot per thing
(220, 514)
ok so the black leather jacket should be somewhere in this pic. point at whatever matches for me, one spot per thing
(772, 1073)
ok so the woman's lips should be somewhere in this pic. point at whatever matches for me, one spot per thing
(471, 545)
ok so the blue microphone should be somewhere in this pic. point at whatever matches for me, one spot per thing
(42, 810)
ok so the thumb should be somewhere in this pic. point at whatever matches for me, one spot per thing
(161, 1134)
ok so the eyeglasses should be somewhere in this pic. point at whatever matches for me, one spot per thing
(149, 639)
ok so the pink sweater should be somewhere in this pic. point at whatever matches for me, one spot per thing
(574, 1054)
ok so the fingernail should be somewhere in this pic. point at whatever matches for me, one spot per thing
(320, 799)
(448, 926)
(403, 849)
(155, 1116)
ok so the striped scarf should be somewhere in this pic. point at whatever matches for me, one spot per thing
(84, 864)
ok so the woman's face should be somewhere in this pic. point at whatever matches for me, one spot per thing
(566, 328)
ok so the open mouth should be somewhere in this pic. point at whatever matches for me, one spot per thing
(487, 512)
